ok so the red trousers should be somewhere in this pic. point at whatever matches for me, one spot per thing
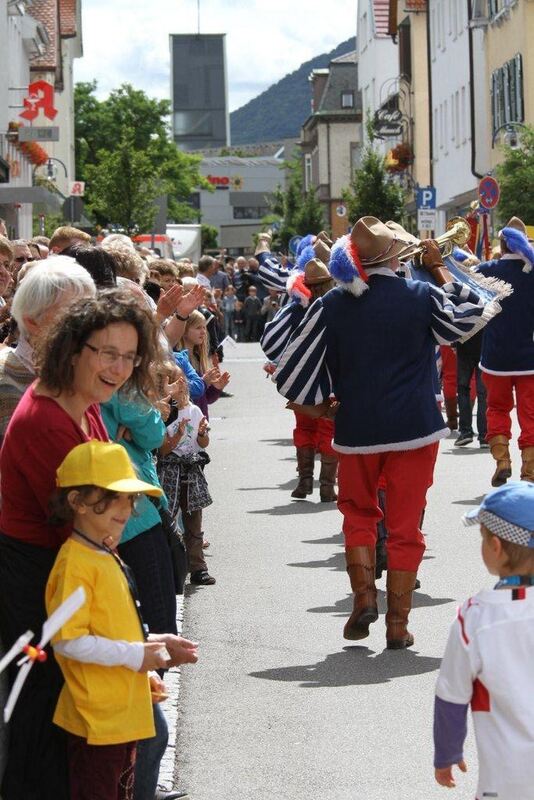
(449, 372)
(500, 402)
(408, 475)
(103, 771)
(316, 433)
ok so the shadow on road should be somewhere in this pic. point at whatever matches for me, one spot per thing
(342, 608)
(295, 507)
(354, 666)
(334, 562)
(279, 442)
(475, 502)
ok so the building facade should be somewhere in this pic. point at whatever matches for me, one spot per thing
(38, 42)
(199, 91)
(378, 72)
(242, 192)
(331, 139)
(456, 185)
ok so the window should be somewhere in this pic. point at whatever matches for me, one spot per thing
(436, 134)
(355, 156)
(347, 99)
(457, 117)
(463, 117)
(307, 171)
(405, 50)
(433, 32)
(507, 93)
(446, 126)
(250, 212)
(453, 119)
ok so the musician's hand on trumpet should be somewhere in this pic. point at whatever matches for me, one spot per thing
(433, 262)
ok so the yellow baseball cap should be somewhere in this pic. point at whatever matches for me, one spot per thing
(105, 465)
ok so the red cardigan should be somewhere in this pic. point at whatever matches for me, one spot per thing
(37, 439)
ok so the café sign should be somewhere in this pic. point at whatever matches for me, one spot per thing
(387, 123)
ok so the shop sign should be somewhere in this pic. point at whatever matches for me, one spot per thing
(387, 122)
(40, 98)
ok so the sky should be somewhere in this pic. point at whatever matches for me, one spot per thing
(128, 40)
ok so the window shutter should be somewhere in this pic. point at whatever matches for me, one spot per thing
(519, 87)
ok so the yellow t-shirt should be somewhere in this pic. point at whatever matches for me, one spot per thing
(105, 705)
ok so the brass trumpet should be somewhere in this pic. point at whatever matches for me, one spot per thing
(457, 234)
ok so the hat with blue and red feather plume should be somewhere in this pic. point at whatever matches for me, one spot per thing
(346, 267)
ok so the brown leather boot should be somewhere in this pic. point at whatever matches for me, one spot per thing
(501, 453)
(527, 464)
(361, 569)
(305, 462)
(400, 586)
(327, 478)
(451, 409)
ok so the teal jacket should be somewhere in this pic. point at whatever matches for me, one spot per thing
(148, 432)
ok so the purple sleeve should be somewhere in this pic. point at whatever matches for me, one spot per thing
(450, 730)
(212, 394)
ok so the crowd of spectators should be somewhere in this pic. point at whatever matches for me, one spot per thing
(106, 341)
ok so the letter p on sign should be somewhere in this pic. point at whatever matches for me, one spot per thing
(77, 189)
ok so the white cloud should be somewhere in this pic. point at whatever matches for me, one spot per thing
(128, 40)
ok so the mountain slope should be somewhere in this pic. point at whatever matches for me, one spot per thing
(279, 111)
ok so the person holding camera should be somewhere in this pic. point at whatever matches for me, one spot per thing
(270, 306)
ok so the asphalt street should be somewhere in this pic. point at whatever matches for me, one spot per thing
(280, 705)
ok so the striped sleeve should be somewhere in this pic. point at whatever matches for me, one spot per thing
(302, 375)
(271, 273)
(277, 333)
(457, 312)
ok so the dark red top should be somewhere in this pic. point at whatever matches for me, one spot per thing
(38, 437)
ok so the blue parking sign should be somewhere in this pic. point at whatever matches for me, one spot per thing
(426, 197)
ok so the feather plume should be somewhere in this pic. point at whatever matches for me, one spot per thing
(297, 289)
(518, 243)
(306, 241)
(306, 254)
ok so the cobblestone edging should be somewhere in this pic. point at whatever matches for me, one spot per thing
(170, 708)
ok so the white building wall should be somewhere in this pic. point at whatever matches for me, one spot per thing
(378, 67)
(19, 29)
(451, 118)
(341, 138)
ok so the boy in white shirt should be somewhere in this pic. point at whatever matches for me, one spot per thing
(489, 654)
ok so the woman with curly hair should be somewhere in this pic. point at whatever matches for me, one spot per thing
(101, 346)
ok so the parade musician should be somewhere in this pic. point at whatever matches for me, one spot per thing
(370, 342)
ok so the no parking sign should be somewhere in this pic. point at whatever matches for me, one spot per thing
(488, 192)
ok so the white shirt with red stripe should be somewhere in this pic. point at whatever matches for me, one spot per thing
(489, 663)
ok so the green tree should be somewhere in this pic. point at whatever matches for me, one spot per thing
(371, 192)
(208, 234)
(296, 211)
(130, 115)
(124, 186)
(516, 179)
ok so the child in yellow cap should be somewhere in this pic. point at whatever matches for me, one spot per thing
(105, 704)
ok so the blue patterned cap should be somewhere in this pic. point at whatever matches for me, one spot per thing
(508, 512)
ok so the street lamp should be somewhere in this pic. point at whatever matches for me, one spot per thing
(511, 137)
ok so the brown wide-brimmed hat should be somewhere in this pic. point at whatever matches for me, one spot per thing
(322, 250)
(518, 224)
(316, 272)
(377, 242)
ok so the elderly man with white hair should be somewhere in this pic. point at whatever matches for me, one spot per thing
(45, 290)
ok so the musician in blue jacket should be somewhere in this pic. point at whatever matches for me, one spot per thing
(507, 360)
(310, 435)
(370, 342)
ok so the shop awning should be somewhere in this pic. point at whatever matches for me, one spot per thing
(37, 195)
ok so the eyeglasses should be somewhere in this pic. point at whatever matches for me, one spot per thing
(109, 356)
